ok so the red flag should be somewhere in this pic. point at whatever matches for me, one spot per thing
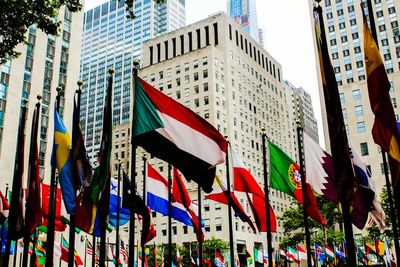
(244, 181)
(257, 205)
(59, 226)
(220, 194)
(385, 130)
(4, 208)
(33, 215)
(180, 195)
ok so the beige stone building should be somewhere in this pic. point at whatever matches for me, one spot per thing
(343, 26)
(216, 69)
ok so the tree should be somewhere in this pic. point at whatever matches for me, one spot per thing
(19, 15)
(293, 224)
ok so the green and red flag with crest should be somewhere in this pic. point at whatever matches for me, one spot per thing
(285, 176)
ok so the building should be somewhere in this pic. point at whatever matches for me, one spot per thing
(112, 41)
(216, 69)
(301, 110)
(344, 29)
(45, 62)
(244, 13)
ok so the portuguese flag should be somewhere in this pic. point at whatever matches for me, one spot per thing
(285, 176)
(177, 135)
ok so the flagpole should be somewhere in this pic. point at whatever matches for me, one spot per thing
(52, 200)
(341, 138)
(303, 187)
(231, 240)
(2, 229)
(266, 191)
(33, 256)
(133, 171)
(94, 251)
(16, 253)
(118, 212)
(72, 217)
(169, 214)
(144, 158)
(17, 183)
(199, 231)
(84, 261)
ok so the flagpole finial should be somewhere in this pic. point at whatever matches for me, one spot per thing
(59, 89)
(144, 155)
(79, 83)
(25, 101)
(38, 97)
(263, 130)
(111, 71)
(299, 124)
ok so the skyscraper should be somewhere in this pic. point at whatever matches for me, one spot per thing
(344, 29)
(244, 13)
(45, 62)
(112, 41)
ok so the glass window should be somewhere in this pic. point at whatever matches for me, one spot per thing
(361, 127)
(364, 149)
(358, 110)
(356, 94)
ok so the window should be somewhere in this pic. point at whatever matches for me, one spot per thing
(358, 110)
(361, 127)
(344, 112)
(364, 149)
(356, 94)
(205, 73)
(196, 76)
(341, 96)
(394, 102)
(205, 87)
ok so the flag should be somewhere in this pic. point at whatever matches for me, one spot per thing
(177, 135)
(16, 217)
(389, 258)
(248, 257)
(90, 250)
(380, 247)
(77, 259)
(319, 253)
(155, 255)
(81, 164)
(60, 224)
(258, 255)
(293, 254)
(87, 214)
(384, 130)
(133, 202)
(265, 257)
(33, 214)
(178, 257)
(329, 253)
(151, 232)
(180, 195)
(4, 208)
(282, 254)
(257, 205)
(219, 260)
(339, 253)
(364, 197)
(285, 176)
(243, 180)
(60, 252)
(62, 160)
(339, 146)
(362, 257)
(101, 176)
(302, 253)
(113, 258)
(124, 214)
(319, 169)
(220, 194)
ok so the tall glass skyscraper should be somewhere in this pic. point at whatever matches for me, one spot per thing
(110, 40)
(244, 13)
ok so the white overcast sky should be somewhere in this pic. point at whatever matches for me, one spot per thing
(288, 37)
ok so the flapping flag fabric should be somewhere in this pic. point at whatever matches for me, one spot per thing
(59, 224)
(258, 255)
(329, 253)
(293, 254)
(87, 215)
(177, 135)
(243, 180)
(257, 205)
(180, 195)
(220, 194)
(285, 176)
(384, 131)
(4, 208)
(124, 214)
(62, 160)
(33, 214)
(302, 253)
(219, 259)
(157, 197)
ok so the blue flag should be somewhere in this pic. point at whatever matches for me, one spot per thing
(62, 160)
(319, 253)
(124, 214)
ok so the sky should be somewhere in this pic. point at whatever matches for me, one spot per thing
(288, 37)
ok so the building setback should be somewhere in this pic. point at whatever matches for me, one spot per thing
(112, 41)
(344, 32)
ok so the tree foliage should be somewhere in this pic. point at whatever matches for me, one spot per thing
(293, 224)
(18, 15)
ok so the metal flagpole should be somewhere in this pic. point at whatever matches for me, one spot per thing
(33, 256)
(266, 191)
(84, 261)
(52, 201)
(231, 240)
(144, 158)
(94, 251)
(169, 214)
(199, 230)
(303, 189)
(117, 242)
(72, 218)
